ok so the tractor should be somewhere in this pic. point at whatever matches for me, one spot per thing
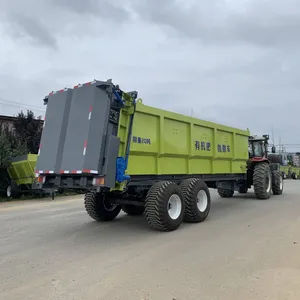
(262, 174)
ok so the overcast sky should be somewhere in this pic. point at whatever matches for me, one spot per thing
(236, 62)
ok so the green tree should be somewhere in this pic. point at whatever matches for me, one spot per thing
(10, 145)
(29, 130)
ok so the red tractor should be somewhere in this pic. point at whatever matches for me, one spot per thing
(262, 174)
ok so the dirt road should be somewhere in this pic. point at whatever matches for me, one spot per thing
(247, 249)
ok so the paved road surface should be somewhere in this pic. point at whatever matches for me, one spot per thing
(247, 249)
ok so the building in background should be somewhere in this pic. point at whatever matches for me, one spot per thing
(294, 159)
(9, 121)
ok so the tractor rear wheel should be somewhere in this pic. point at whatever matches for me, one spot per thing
(277, 183)
(100, 208)
(262, 181)
(225, 193)
(164, 206)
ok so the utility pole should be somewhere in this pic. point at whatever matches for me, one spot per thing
(273, 137)
(280, 146)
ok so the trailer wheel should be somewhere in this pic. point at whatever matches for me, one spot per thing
(197, 200)
(99, 207)
(243, 189)
(13, 191)
(8, 191)
(133, 210)
(277, 183)
(225, 193)
(262, 181)
(164, 206)
(294, 176)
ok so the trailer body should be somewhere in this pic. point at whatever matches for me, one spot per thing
(288, 170)
(295, 172)
(84, 139)
(285, 171)
(22, 177)
(22, 169)
(138, 158)
(169, 143)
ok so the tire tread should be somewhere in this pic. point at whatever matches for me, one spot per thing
(95, 209)
(259, 175)
(190, 188)
(225, 193)
(155, 206)
(276, 183)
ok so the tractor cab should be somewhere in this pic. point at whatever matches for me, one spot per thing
(258, 146)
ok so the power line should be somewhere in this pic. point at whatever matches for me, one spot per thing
(20, 105)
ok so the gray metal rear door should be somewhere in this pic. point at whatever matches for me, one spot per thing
(86, 131)
(54, 132)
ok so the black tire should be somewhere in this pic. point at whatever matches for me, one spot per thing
(225, 193)
(157, 206)
(294, 176)
(98, 207)
(277, 183)
(243, 189)
(133, 210)
(284, 175)
(8, 191)
(262, 181)
(191, 188)
(15, 191)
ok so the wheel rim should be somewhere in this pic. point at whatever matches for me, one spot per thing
(202, 201)
(281, 183)
(269, 182)
(8, 191)
(108, 205)
(174, 207)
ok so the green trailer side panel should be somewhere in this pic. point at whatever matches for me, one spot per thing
(285, 169)
(22, 171)
(163, 142)
(296, 170)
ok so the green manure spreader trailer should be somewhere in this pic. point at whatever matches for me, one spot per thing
(143, 160)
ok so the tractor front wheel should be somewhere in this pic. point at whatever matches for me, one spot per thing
(277, 183)
(262, 181)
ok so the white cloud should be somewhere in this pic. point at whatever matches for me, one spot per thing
(235, 62)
